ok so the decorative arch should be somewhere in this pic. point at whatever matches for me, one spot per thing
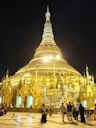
(19, 101)
(30, 100)
(85, 104)
(95, 101)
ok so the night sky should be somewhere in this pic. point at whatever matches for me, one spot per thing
(21, 26)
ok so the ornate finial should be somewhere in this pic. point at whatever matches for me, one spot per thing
(7, 74)
(47, 15)
(47, 9)
(48, 36)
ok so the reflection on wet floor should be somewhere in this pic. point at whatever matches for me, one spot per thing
(18, 118)
(31, 120)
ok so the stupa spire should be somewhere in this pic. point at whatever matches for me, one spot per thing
(47, 36)
(47, 15)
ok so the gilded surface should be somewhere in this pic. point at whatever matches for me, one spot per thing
(48, 78)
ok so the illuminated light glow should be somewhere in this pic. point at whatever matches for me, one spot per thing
(29, 101)
(19, 99)
(90, 77)
(18, 118)
(50, 57)
(58, 57)
(0, 99)
(45, 59)
(27, 75)
(85, 104)
(22, 78)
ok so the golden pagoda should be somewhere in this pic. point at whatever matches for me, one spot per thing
(47, 78)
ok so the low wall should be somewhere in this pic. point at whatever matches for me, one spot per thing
(30, 110)
(24, 110)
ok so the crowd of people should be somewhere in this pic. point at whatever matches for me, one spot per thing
(3, 109)
(70, 110)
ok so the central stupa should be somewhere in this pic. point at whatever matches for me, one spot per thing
(48, 72)
(47, 78)
(47, 58)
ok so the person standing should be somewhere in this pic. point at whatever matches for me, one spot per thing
(63, 111)
(44, 114)
(5, 109)
(95, 106)
(74, 112)
(82, 118)
(69, 112)
(77, 110)
(51, 110)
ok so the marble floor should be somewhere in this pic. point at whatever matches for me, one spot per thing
(32, 120)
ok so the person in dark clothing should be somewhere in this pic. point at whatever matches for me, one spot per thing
(74, 112)
(5, 109)
(1, 110)
(51, 110)
(44, 114)
(81, 108)
(95, 106)
(69, 112)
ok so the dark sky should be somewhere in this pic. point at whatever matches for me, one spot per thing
(21, 26)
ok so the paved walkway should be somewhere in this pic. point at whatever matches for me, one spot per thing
(31, 120)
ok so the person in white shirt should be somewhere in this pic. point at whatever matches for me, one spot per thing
(77, 110)
(63, 111)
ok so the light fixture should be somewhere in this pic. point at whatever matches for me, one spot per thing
(50, 57)
(45, 59)
(58, 57)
